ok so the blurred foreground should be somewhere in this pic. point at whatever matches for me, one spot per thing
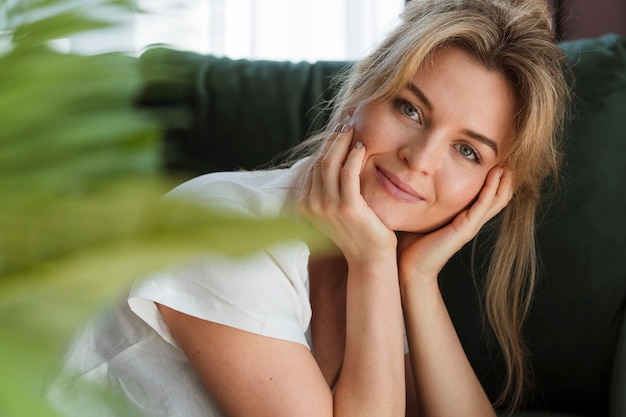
(79, 181)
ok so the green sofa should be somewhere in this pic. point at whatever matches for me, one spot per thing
(222, 114)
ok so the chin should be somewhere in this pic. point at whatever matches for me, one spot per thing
(403, 221)
(401, 227)
(420, 229)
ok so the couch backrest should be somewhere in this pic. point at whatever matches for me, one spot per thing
(233, 114)
(239, 114)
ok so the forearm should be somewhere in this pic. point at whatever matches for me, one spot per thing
(444, 380)
(372, 381)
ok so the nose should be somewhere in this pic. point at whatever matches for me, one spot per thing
(422, 154)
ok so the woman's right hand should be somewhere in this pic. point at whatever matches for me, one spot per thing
(371, 380)
(331, 199)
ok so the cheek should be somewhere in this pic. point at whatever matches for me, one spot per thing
(373, 129)
(463, 190)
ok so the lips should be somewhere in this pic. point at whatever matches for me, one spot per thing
(396, 187)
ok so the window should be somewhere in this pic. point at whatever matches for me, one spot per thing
(295, 30)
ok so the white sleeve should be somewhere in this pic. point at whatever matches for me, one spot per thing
(265, 293)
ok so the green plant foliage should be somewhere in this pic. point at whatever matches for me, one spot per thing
(80, 182)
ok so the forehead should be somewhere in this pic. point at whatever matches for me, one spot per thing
(462, 93)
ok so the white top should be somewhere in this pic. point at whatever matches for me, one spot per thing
(131, 349)
(266, 293)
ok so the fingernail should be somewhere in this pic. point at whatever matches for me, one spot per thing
(501, 172)
(338, 128)
(358, 145)
(345, 128)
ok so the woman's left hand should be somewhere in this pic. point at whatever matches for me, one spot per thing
(423, 256)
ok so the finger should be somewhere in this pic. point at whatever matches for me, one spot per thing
(351, 173)
(494, 196)
(334, 160)
(329, 141)
(504, 192)
(475, 217)
(503, 185)
(314, 179)
(314, 193)
(487, 193)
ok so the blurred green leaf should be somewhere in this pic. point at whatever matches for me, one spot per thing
(43, 303)
(80, 188)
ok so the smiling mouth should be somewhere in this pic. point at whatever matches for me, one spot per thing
(396, 187)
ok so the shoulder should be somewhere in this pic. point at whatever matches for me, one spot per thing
(255, 193)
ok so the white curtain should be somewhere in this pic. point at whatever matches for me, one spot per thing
(295, 30)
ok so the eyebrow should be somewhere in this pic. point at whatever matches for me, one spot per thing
(483, 139)
(474, 135)
(413, 88)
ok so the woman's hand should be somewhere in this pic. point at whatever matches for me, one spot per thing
(331, 199)
(423, 256)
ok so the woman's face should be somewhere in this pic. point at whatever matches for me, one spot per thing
(430, 147)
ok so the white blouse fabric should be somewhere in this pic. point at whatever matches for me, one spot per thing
(130, 349)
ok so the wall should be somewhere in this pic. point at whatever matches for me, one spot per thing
(589, 18)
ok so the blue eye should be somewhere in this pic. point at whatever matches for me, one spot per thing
(467, 152)
(408, 110)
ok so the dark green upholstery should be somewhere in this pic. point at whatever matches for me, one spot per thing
(238, 114)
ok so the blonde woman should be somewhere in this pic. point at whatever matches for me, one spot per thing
(452, 120)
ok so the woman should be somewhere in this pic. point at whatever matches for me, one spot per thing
(451, 120)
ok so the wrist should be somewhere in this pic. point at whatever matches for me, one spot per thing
(380, 265)
(421, 283)
(417, 272)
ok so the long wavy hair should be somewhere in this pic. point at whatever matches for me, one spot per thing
(516, 39)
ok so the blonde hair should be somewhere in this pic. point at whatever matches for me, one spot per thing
(515, 38)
